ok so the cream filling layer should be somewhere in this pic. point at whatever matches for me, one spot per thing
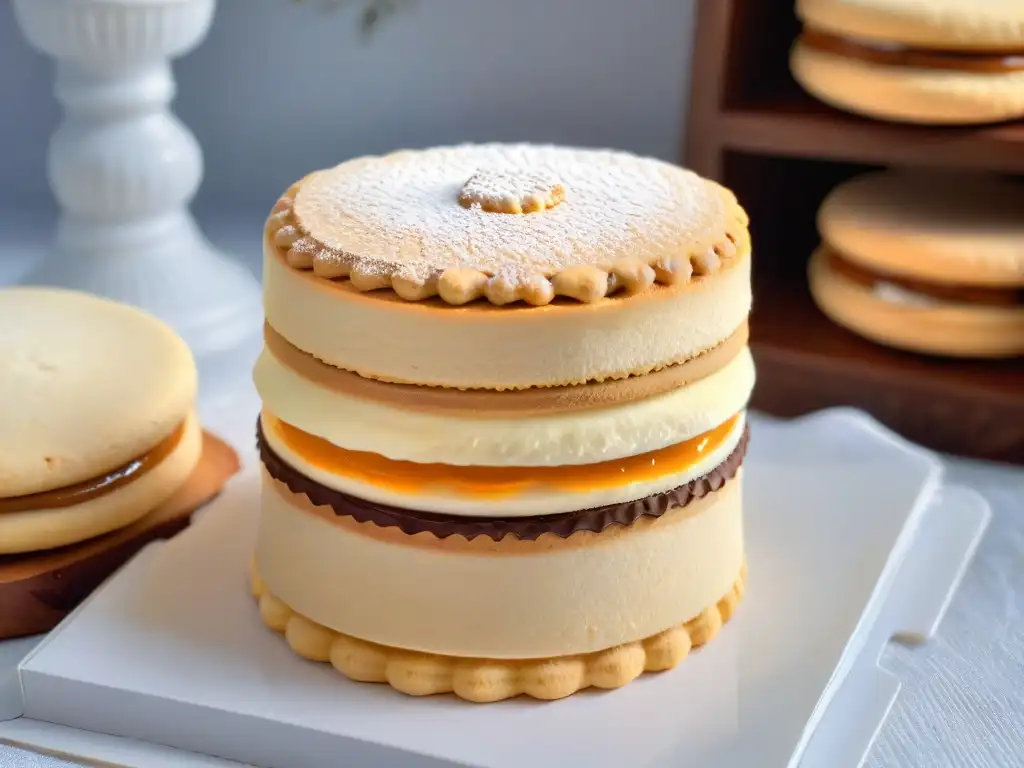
(535, 501)
(611, 588)
(940, 328)
(558, 439)
(502, 347)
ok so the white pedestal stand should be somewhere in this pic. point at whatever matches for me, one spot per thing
(124, 169)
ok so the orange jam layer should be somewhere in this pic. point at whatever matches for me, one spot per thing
(495, 482)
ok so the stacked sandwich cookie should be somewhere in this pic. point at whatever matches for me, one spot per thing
(925, 261)
(941, 62)
(503, 423)
(98, 414)
(100, 447)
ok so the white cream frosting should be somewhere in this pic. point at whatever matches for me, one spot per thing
(496, 347)
(585, 437)
(608, 590)
(900, 296)
(534, 501)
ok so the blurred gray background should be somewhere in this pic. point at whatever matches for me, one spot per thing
(280, 88)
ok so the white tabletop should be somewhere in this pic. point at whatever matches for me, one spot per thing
(962, 701)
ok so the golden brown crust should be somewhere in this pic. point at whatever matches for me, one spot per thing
(669, 253)
(483, 402)
(487, 680)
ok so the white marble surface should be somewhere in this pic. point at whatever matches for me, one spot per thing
(11, 757)
(962, 701)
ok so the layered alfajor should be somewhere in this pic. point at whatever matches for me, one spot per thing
(939, 62)
(504, 392)
(97, 417)
(925, 261)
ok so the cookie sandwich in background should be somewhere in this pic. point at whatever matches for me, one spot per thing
(100, 446)
(503, 426)
(939, 62)
(925, 261)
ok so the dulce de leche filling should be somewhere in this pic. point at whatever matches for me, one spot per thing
(495, 482)
(959, 294)
(526, 529)
(98, 486)
(896, 55)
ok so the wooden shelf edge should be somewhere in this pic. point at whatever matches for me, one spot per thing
(828, 135)
(917, 384)
(948, 418)
(806, 363)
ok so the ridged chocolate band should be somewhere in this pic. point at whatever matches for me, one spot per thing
(530, 528)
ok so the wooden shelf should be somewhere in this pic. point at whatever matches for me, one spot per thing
(792, 125)
(752, 128)
(973, 408)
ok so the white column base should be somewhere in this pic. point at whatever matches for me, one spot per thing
(124, 170)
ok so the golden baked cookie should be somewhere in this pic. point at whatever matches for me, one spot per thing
(503, 426)
(926, 261)
(96, 403)
(389, 245)
(488, 680)
(941, 62)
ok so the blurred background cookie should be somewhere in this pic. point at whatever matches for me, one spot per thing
(925, 261)
(937, 62)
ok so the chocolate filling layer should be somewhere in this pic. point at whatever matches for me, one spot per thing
(895, 55)
(564, 525)
(959, 294)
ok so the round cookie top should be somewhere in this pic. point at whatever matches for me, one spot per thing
(982, 25)
(942, 227)
(88, 385)
(507, 223)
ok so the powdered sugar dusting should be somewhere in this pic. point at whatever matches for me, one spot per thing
(400, 214)
(506, 191)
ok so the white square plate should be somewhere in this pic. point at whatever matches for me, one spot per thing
(171, 650)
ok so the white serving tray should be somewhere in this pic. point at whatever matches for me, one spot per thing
(848, 544)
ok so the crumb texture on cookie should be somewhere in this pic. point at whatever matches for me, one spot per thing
(489, 680)
(507, 223)
(943, 24)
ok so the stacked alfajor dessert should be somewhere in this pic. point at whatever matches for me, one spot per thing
(925, 261)
(938, 62)
(503, 418)
(101, 450)
(97, 407)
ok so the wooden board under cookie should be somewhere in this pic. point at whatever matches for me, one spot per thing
(751, 127)
(37, 590)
